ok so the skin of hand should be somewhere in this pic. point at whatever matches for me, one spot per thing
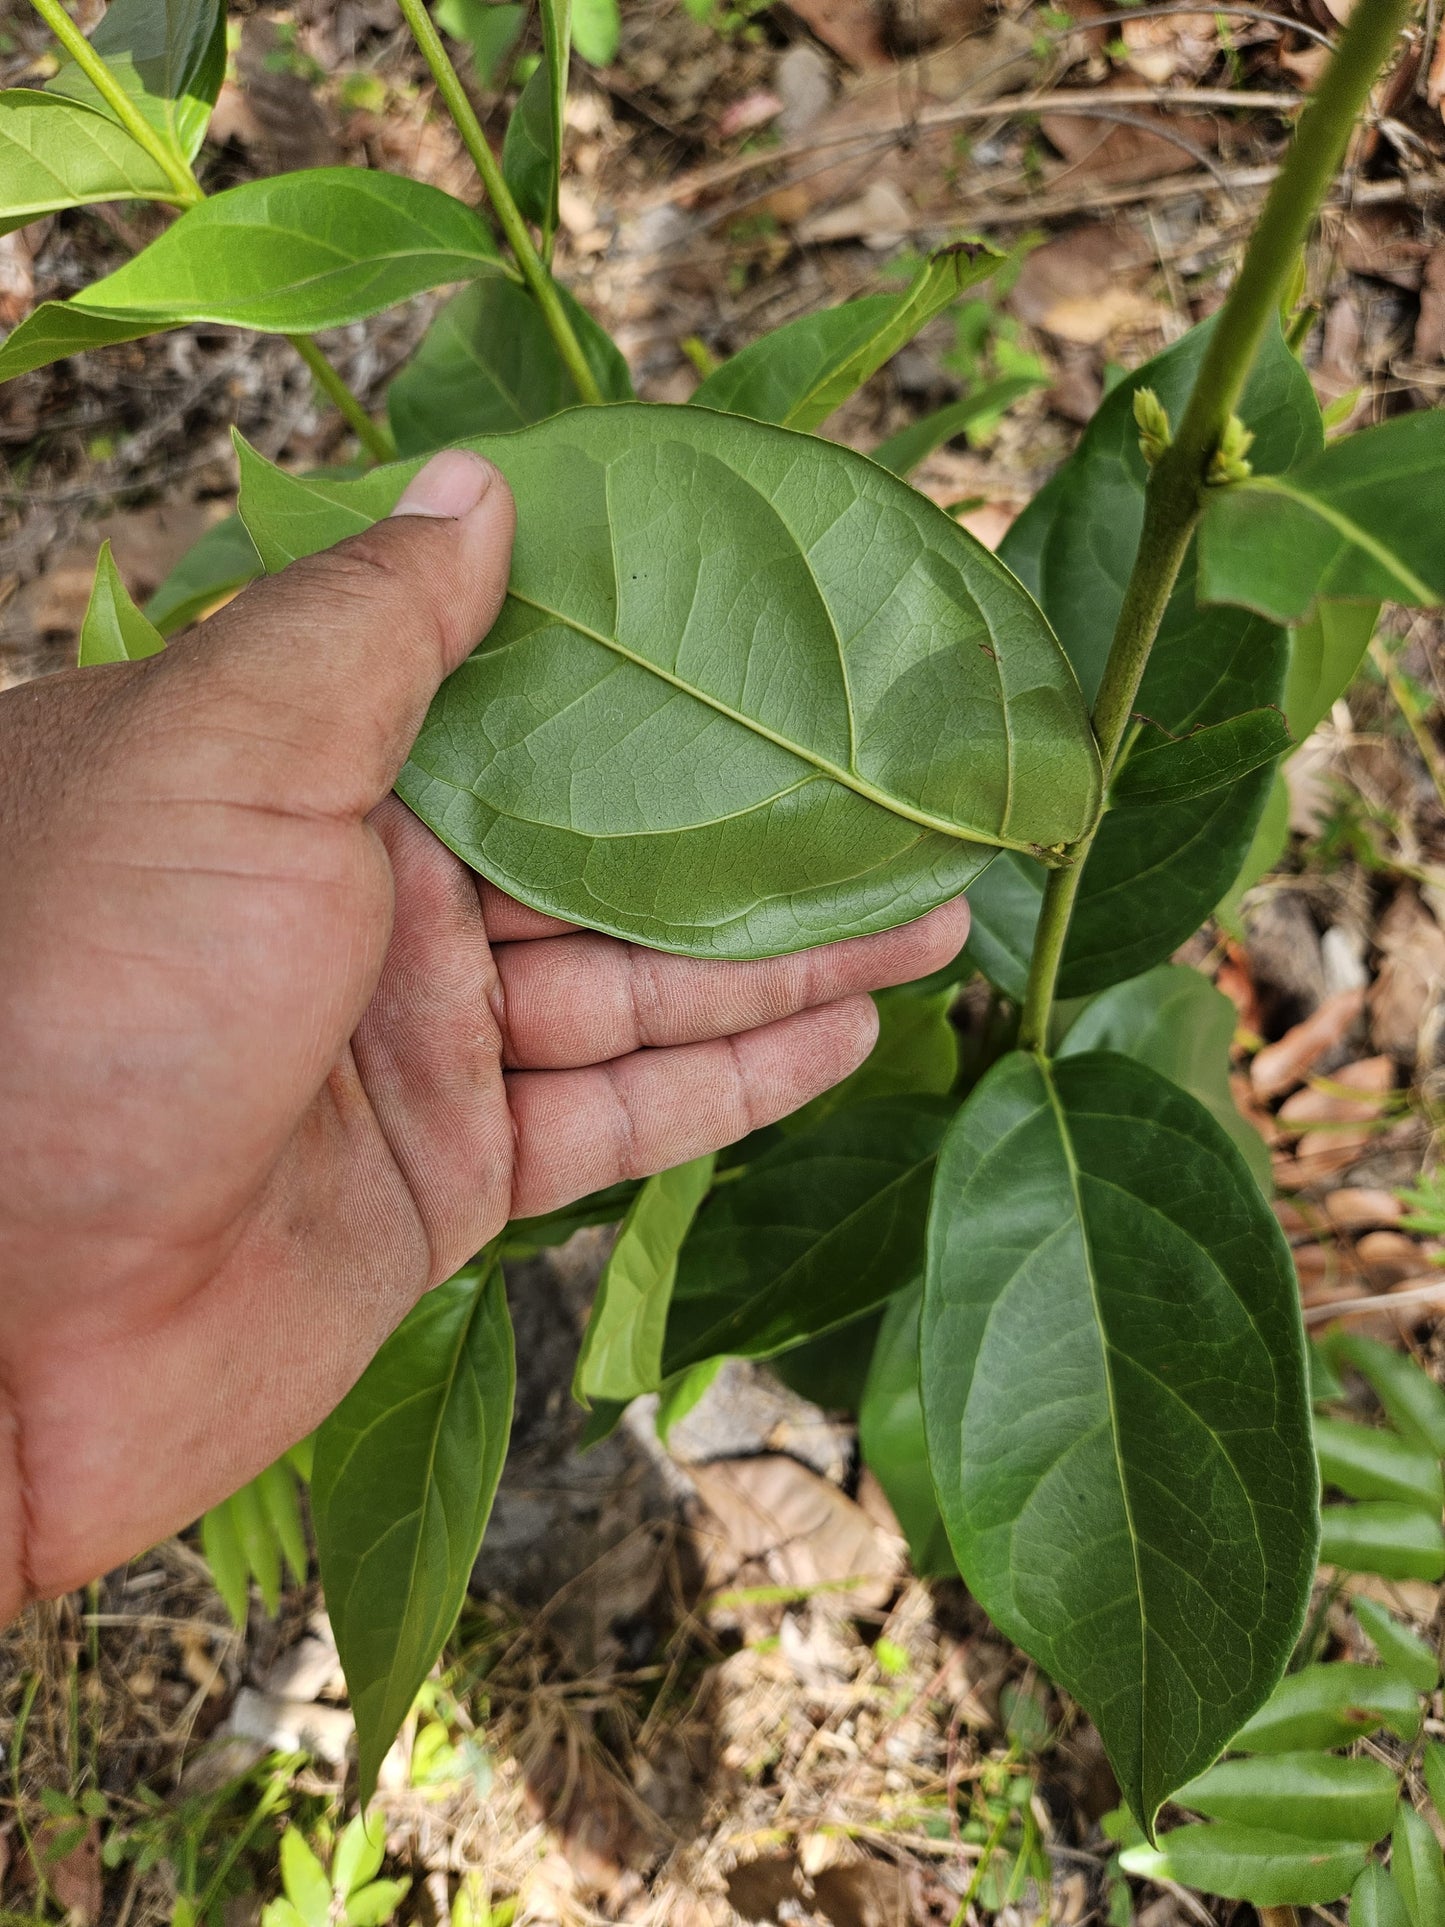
(273, 1062)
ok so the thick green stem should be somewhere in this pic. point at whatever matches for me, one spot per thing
(375, 439)
(1176, 485)
(540, 284)
(187, 190)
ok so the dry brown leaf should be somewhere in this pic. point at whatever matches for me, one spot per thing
(1335, 1126)
(17, 278)
(758, 1889)
(74, 1876)
(1280, 1066)
(852, 28)
(810, 1534)
(1379, 241)
(1122, 153)
(1356, 1208)
(864, 1893)
(1435, 79)
(1084, 285)
(1430, 323)
(1410, 976)
(1388, 1257)
(1180, 44)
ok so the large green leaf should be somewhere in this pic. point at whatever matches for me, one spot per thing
(287, 255)
(1381, 1536)
(1325, 653)
(114, 630)
(1312, 1795)
(532, 149)
(1249, 1863)
(697, 722)
(800, 373)
(621, 1351)
(1116, 1400)
(56, 153)
(1330, 1706)
(1419, 1870)
(406, 1470)
(816, 1232)
(1368, 1462)
(1359, 520)
(221, 562)
(890, 1436)
(1156, 870)
(170, 58)
(488, 364)
(1176, 1022)
(1376, 1901)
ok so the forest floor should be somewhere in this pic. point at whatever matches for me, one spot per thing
(701, 1686)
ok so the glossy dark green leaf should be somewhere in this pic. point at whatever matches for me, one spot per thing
(406, 1470)
(1395, 1541)
(1249, 1863)
(1401, 1649)
(1359, 520)
(800, 373)
(1325, 653)
(621, 1351)
(697, 723)
(287, 255)
(114, 630)
(1412, 1400)
(1156, 869)
(890, 1436)
(1367, 1462)
(1175, 1021)
(1164, 769)
(821, 1229)
(487, 364)
(1376, 1901)
(170, 58)
(830, 1371)
(491, 28)
(904, 451)
(596, 30)
(916, 1054)
(1116, 1401)
(57, 153)
(1419, 1870)
(1331, 1705)
(210, 572)
(1314, 1796)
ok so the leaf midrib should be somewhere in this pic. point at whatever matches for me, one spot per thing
(848, 779)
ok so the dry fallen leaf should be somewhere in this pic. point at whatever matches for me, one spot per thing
(1388, 1257)
(1180, 44)
(1083, 285)
(852, 28)
(1336, 1119)
(757, 1889)
(1280, 1066)
(810, 1534)
(1353, 1208)
(865, 1893)
(1124, 152)
(1410, 976)
(73, 1876)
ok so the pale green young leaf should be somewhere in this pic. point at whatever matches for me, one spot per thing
(1369, 1462)
(1331, 1705)
(1116, 1402)
(1248, 1863)
(681, 1394)
(1312, 1795)
(304, 1879)
(800, 373)
(405, 1473)
(488, 364)
(259, 1544)
(209, 573)
(277, 1490)
(1325, 653)
(1401, 1649)
(1380, 1536)
(1376, 1901)
(359, 1854)
(747, 744)
(1433, 1763)
(1419, 1870)
(621, 1352)
(812, 1234)
(374, 1904)
(56, 329)
(1165, 769)
(1175, 1021)
(226, 1557)
(170, 58)
(491, 28)
(1412, 1400)
(114, 630)
(911, 445)
(890, 1436)
(596, 30)
(57, 153)
(281, 1913)
(1360, 520)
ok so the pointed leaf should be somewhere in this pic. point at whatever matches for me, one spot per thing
(800, 373)
(1434, 1767)
(1367, 1462)
(209, 573)
(376, 1903)
(746, 745)
(1116, 1402)
(1175, 1021)
(621, 1353)
(114, 630)
(56, 329)
(1419, 1870)
(406, 1470)
(359, 1854)
(1403, 1651)
(304, 1878)
(1411, 1398)
(170, 58)
(491, 28)
(811, 1235)
(225, 1555)
(1247, 1863)
(1395, 1541)
(487, 364)
(258, 1542)
(1314, 1796)
(890, 1436)
(56, 153)
(1359, 520)
(1376, 1901)
(1325, 653)
(1164, 769)
(916, 1055)
(1330, 1706)
(682, 1393)
(904, 451)
(276, 1488)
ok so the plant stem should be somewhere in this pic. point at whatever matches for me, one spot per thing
(540, 284)
(1415, 714)
(1177, 482)
(187, 190)
(374, 438)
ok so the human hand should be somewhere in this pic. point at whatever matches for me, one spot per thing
(273, 1062)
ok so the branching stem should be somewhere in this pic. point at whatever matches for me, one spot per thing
(540, 284)
(1176, 485)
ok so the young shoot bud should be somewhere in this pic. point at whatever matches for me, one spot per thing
(1155, 433)
(1229, 463)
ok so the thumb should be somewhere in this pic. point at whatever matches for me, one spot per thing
(321, 675)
